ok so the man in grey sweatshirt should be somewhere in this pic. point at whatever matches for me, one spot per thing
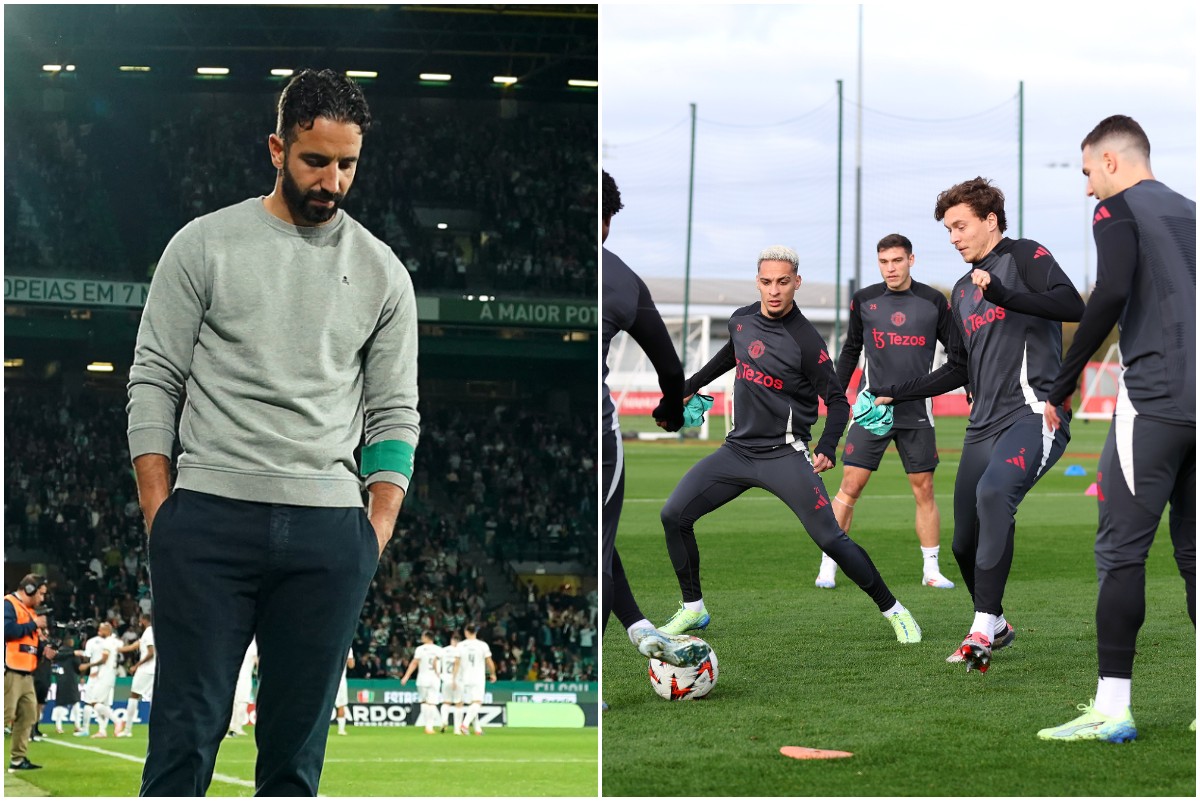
(290, 333)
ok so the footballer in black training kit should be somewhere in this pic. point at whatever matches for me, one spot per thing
(782, 367)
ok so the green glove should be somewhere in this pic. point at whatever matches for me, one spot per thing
(694, 409)
(876, 419)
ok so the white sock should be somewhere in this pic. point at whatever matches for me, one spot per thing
(88, 714)
(984, 624)
(1001, 625)
(77, 715)
(473, 714)
(929, 559)
(895, 609)
(1112, 696)
(445, 714)
(103, 713)
(430, 712)
(131, 711)
(342, 725)
(641, 624)
(828, 566)
(694, 606)
(458, 717)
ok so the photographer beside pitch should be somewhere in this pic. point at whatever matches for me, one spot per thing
(293, 331)
(1145, 280)
(24, 644)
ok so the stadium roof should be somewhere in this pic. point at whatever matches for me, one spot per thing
(542, 46)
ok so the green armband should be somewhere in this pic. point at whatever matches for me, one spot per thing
(392, 455)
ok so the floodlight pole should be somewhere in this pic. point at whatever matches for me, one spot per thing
(837, 281)
(687, 264)
(858, 164)
(1020, 160)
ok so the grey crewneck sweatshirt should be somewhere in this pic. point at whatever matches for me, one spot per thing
(291, 343)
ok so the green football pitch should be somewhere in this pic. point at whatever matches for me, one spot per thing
(801, 666)
(366, 762)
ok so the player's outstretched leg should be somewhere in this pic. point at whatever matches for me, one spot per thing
(792, 479)
(711, 483)
(854, 479)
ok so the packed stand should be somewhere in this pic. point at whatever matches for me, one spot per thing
(101, 196)
(70, 492)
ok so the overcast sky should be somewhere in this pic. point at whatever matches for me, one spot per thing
(939, 99)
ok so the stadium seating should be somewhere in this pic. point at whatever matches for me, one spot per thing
(71, 501)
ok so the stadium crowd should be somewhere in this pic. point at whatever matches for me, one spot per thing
(70, 493)
(100, 195)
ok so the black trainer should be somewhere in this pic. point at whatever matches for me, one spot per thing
(24, 764)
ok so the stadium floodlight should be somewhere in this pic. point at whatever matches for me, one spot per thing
(507, 80)
(580, 83)
(442, 226)
(131, 68)
(52, 67)
(282, 73)
(212, 70)
(361, 74)
(435, 76)
(70, 68)
(100, 367)
(14, 362)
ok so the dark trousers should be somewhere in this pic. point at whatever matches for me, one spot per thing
(1145, 465)
(724, 475)
(224, 572)
(617, 594)
(993, 478)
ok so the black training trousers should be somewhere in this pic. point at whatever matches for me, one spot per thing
(993, 478)
(1145, 465)
(617, 594)
(728, 472)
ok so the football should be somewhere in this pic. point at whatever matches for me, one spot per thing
(684, 683)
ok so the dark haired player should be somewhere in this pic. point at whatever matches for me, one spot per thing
(905, 319)
(628, 307)
(293, 332)
(1010, 308)
(782, 369)
(1145, 281)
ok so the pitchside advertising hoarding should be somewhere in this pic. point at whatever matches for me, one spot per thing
(385, 702)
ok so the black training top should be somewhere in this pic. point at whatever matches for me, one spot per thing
(629, 307)
(1011, 348)
(783, 367)
(900, 331)
(1146, 281)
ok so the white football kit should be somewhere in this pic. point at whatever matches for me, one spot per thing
(473, 656)
(451, 681)
(244, 694)
(426, 656)
(102, 679)
(343, 694)
(143, 680)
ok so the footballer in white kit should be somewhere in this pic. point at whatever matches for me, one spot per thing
(343, 694)
(452, 698)
(243, 694)
(475, 657)
(143, 676)
(425, 661)
(101, 654)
